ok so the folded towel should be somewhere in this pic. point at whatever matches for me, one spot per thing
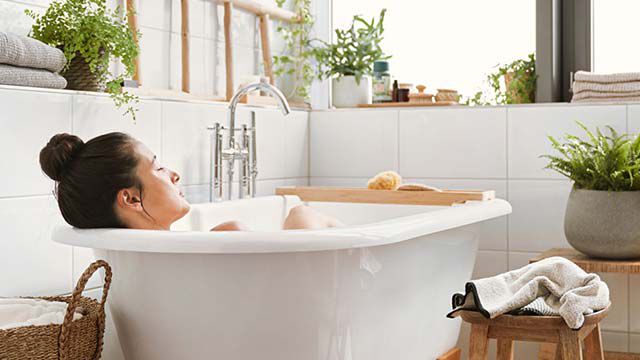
(24, 51)
(609, 100)
(12, 75)
(606, 78)
(581, 86)
(26, 312)
(604, 95)
(565, 287)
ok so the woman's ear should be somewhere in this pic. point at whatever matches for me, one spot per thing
(129, 199)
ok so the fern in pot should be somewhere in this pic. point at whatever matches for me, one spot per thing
(602, 218)
(349, 60)
(91, 36)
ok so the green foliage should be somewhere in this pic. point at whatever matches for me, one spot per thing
(520, 89)
(354, 51)
(602, 162)
(296, 61)
(89, 29)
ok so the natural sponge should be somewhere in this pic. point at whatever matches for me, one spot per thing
(386, 180)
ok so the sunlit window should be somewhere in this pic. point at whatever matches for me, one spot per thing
(448, 44)
(616, 30)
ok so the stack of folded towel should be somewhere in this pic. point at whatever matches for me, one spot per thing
(553, 286)
(19, 312)
(590, 87)
(28, 62)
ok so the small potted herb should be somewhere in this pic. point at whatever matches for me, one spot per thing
(91, 36)
(603, 212)
(349, 60)
(519, 78)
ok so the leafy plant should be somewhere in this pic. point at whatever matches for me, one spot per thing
(354, 51)
(603, 162)
(296, 61)
(519, 78)
(87, 28)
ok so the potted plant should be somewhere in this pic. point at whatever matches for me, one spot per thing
(91, 36)
(603, 212)
(519, 78)
(349, 60)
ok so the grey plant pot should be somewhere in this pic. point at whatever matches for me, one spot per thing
(604, 224)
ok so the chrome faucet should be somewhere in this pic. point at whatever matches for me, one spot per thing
(243, 150)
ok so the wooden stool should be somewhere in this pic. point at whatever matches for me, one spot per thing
(559, 341)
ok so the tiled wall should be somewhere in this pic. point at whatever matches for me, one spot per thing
(30, 263)
(160, 57)
(491, 148)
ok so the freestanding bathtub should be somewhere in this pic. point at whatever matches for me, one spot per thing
(377, 289)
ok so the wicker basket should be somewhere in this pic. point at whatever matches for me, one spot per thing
(80, 339)
(80, 77)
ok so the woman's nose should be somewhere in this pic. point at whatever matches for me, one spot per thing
(175, 177)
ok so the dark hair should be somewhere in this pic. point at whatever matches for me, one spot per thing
(89, 176)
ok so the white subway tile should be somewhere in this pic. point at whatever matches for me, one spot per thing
(197, 79)
(97, 115)
(492, 233)
(537, 221)
(615, 341)
(633, 119)
(353, 143)
(296, 144)
(634, 343)
(244, 64)
(530, 126)
(155, 14)
(339, 182)
(463, 143)
(154, 58)
(29, 120)
(618, 317)
(520, 259)
(634, 302)
(186, 142)
(82, 258)
(243, 27)
(196, 17)
(489, 263)
(30, 263)
(14, 20)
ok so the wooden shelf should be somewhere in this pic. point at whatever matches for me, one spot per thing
(591, 264)
(361, 195)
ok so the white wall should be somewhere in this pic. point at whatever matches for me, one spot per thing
(489, 148)
(30, 263)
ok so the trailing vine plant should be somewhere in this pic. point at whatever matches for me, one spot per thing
(87, 28)
(296, 61)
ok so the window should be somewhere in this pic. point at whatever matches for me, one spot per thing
(615, 36)
(448, 44)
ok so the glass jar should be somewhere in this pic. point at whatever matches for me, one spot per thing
(381, 82)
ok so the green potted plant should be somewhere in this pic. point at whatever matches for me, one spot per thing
(91, 36)
(602, 218)
(519, 78)
(349, 60)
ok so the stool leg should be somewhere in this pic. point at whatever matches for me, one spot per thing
(549, 351)
(593, 345)
(570, 344)
(505, 349)
(478, 342)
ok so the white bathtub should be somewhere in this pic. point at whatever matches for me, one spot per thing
(377, 289)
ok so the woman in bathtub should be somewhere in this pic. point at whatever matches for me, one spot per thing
(115, 181)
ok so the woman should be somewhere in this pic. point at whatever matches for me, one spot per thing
(115, 181)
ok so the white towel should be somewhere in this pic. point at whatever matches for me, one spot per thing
(24, 51)
(609, 100)
(604, 95)
(12, 75)
(606, 78)
(581, 86)
(17, 312)
(565, 287)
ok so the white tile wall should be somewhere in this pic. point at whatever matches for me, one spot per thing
(356, 143)
(453, 143)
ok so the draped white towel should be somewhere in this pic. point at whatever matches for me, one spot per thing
(606, 78)
(564, 286)
(24, 51)
(17, 312)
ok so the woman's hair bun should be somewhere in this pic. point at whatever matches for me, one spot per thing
(59, 151)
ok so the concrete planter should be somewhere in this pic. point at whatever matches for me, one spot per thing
(347, 92)
(604, 224)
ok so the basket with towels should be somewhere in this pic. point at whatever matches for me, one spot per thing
(591, 87)
(28, 62)
(56, 327)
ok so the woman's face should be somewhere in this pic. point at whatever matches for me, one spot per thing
(161, 198)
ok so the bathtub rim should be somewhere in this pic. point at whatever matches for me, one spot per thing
(253, 242)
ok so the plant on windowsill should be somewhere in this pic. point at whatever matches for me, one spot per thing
(295, 63)
(90, 35)
(349, 60)
(519, 79)
(602, 218)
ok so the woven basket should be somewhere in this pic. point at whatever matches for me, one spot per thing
(80, 77)
(80, 339)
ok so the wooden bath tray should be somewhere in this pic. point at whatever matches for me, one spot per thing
(360, 195)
